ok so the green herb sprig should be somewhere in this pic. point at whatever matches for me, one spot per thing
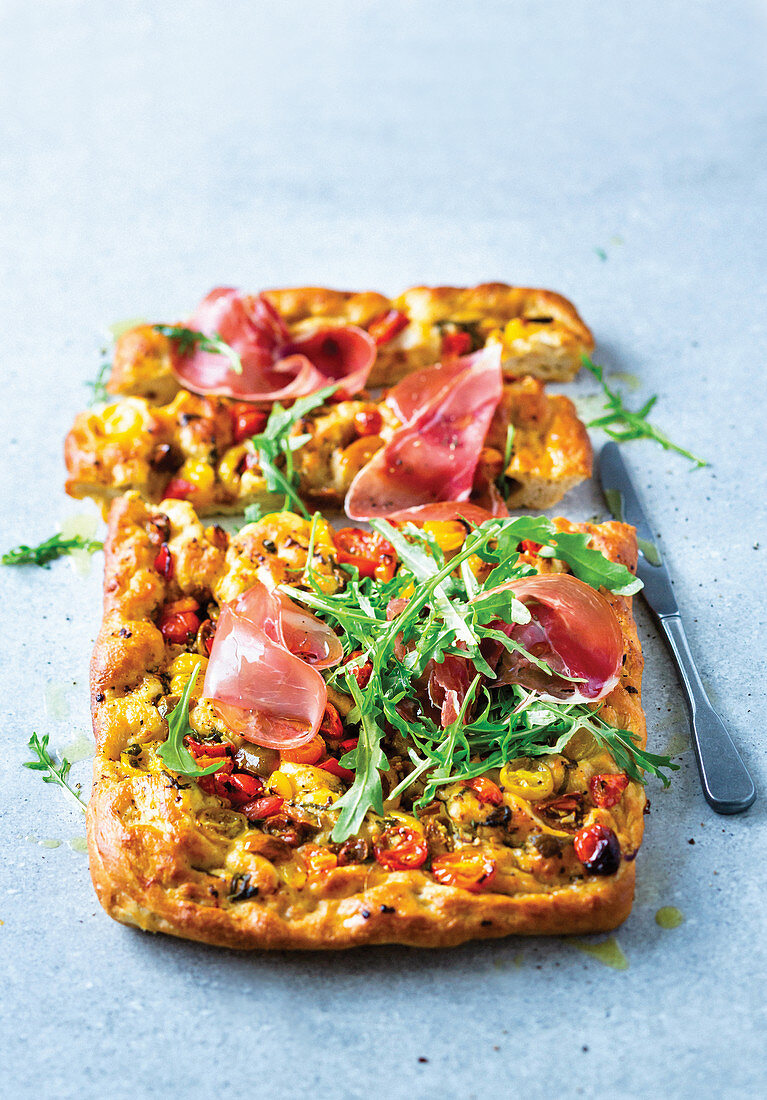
(98, 387)
(54, 773)
(45, 552)
(173, 752)
(187, 339)
(631, 424)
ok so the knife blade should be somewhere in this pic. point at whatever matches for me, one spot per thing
(727, 786)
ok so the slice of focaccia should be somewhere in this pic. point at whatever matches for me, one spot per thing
(540, 332)
(246, 859)
(200, 448)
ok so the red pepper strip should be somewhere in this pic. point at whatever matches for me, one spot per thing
(335, 768)
(386, 326)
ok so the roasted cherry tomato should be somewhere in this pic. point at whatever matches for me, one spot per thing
(318, 860)
(332, 728)
(163, 562)
(309, 753)
(401, 849)
(456, 343)
(371, 554)
(363, 673)
(178, 488)
(208, 748)
(349, 744)
(385, 326)
(368, 422)
(485, 790)
(607, 790)
(468, 868)
(261, 808)
(247, 420)
(527, 777)
(242, 787)
(598, 849)
(205, 636)
(527, 546)
(337, 769)
(179, 621)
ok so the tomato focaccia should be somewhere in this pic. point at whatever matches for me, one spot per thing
(540, 332)
(200, 449)
(428, 839)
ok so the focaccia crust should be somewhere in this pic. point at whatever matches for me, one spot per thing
(167, 857)
(133, 444)
(541, 333)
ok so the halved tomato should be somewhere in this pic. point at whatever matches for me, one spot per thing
(401, 848)
(468, 868)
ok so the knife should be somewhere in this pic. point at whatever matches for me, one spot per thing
(727, 785)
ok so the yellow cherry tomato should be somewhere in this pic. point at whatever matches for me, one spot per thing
(527, 778)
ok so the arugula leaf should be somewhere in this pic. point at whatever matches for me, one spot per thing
(173, 752)
(186, 339)
(369, 761)
(46, 762)
(275, 446)
(572, 547)
(52, 548)
(633, 425)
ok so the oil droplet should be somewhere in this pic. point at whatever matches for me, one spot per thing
(518, 959)
(607, 952)
(116, 329)
(630, 381)
(80, 748)
(31, 838)
(81, 523)
(55, 698)
(677, 744)
(78, 844)
(51, 843)
(669, 917)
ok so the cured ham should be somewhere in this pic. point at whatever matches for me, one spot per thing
(443, 512)
(574, 630)
(274, 366)
(262, 674)
(433, 456)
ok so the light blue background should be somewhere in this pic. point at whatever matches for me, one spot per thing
(150, 152)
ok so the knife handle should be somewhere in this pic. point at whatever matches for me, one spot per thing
(727, 786)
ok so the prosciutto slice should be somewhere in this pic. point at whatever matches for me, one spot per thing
(274, 367)
(262, 674)
(433, 456)
(574, 629)
(443, 511)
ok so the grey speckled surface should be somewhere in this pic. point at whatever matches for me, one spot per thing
(150, 154)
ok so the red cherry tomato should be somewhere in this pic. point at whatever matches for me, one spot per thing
(385, 326)
(368, 422)
(349, 744)
(598, 849)
(208, 748)
(363, 673)
(336, 769)
(468, 868)
(527, 546)
(332, 728)
(318, 860)
(310, 753)
(178, 488)
(163, 563)
(247, 420)
(485, 790)
(456, 343)
(368, 551)
(177, 627)
(261, 808)
(401, 849)
(607, 790)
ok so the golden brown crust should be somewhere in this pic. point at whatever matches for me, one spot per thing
(162, 852)
(541, 332)
(133, 444)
